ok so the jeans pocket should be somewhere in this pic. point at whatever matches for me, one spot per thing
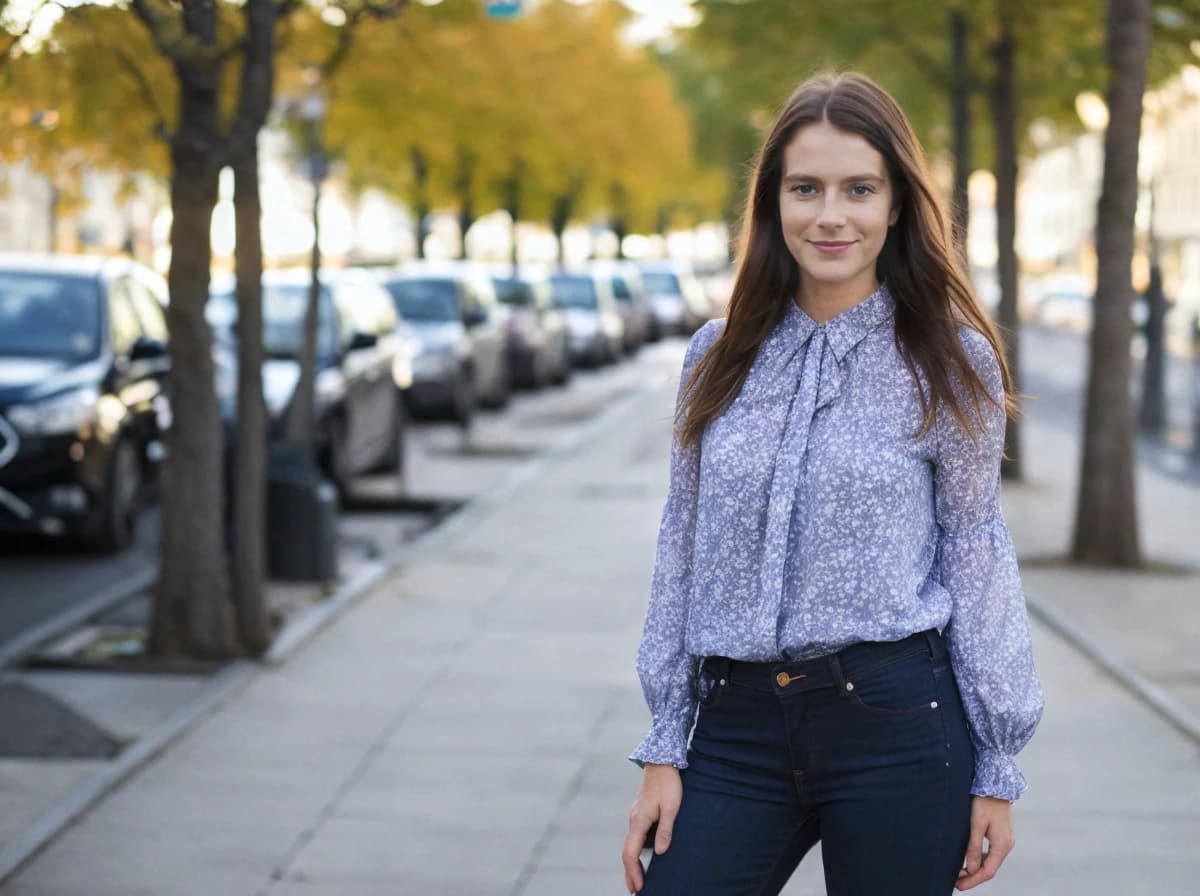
(903, 687)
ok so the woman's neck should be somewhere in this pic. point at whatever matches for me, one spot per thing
(825, 301)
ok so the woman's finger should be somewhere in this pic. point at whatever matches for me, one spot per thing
(631, 853)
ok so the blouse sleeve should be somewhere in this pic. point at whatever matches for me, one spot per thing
(667, 673)
(991, 650)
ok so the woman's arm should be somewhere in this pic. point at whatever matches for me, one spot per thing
(989, 635)
(666, 671)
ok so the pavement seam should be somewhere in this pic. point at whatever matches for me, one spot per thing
(1116, 668)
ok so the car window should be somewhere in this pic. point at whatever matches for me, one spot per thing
(126, 328)
(48, 315)
(148, 310)
(574, 291)
(285, 308)
(662, 282)
(621, 289)
(514, 292)
(424, 298)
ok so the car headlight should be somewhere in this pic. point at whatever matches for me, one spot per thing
(61, 415)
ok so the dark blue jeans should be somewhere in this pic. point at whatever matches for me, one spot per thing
(866, 751)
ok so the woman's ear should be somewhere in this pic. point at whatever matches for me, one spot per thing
(893, 215)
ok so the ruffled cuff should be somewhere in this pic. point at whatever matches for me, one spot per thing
(665, 744)
(997, 775)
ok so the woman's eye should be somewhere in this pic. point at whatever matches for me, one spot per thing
(861, 190)
(803, 189)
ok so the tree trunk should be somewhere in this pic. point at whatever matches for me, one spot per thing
(249, 516)
(1004, 124)
(560, 216)
(1153, 413)
(420, 203)
(511, 189)
(192, 614)
(620, 216)
(465, 185)
(301, 423)
(1106, 527)
(960, 104)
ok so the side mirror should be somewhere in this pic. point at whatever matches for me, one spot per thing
(363, 340)
(147, 349)
(475, 317)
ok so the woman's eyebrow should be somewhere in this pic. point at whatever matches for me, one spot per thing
(857, 178)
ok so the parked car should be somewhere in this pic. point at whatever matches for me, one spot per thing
(363, 367)
(633, 304)
(462, 332)
(676, 295)
(83, 400)
(538, 348)
(594, 325)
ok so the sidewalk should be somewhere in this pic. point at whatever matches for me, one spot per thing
(462, 731)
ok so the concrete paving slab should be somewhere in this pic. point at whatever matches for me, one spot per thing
(32, 787)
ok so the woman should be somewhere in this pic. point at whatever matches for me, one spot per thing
(836, 605)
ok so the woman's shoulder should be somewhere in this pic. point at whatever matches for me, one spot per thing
(980, 353)
(704, 339)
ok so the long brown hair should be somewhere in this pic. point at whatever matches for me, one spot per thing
(923, 271)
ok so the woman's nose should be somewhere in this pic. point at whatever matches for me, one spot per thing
(831, 214)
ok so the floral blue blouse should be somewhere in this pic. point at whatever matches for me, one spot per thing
(812, 517)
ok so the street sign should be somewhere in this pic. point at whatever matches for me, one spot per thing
(503, 9)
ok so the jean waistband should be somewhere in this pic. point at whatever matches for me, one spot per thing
(833, 670)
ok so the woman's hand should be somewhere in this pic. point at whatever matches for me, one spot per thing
(990, 818)
(657, 802)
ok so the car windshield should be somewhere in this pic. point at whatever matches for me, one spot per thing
(425, 298)
(574, 291)
(49, 315)
(284, 307)
(513, 292)
(662, 282)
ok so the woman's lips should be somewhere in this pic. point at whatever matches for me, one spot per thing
(830, 248)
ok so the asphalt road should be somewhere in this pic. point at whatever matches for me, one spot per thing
(41, 579)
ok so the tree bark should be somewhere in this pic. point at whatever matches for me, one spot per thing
(1106, 526)
(420, 199)
(1153, 413)
(465, 185)
(192, 614)
(1004, 124)
(960, 105)
(249, 513)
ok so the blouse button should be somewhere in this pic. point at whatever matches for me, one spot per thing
(849, 685)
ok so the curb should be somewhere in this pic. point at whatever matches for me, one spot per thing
(297, 632)
(1145, 690)
(16, 649)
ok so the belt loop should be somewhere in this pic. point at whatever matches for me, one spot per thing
(835, 665)
(934, 641)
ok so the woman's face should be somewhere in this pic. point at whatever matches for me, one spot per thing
(835, 206)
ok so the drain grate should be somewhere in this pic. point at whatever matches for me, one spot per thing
(37, 726)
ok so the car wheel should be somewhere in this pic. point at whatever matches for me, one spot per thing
(116, 521)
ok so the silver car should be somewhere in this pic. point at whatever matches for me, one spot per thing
(594, 326)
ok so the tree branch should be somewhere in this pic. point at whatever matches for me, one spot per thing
(370, 9)
(147, 92)
(158, 30)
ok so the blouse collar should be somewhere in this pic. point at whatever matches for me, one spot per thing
(843, 331)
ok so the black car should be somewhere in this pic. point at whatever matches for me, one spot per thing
(83, 402)
(363, 367)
